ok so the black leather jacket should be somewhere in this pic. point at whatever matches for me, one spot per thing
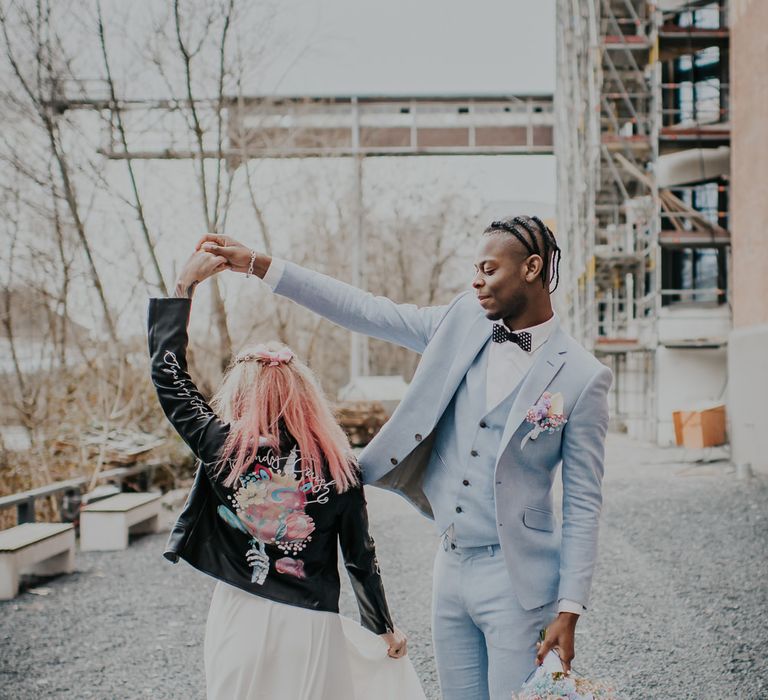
(274, 534)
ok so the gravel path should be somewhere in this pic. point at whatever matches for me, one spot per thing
(679, 607)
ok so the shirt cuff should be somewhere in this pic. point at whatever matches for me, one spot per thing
(274, 273)
(570, 606)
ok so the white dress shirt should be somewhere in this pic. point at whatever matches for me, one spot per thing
(507, 365)
(508, 362)
(274, 273)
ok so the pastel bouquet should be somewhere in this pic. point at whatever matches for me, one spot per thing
(549, 682)
(546, 416)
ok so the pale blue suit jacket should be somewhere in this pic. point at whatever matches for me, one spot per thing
(546, 560)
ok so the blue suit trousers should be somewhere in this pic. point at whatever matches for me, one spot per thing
(485, 642)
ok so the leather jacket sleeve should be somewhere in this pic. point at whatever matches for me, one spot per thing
(182, 402)
(359, 554)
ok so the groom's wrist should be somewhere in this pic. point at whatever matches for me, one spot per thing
(569, 618)
(570, 606)
(273, 273)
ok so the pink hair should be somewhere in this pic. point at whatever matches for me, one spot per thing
(256, 395)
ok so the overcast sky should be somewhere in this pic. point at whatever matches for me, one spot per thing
(422, 46)
(366, 47)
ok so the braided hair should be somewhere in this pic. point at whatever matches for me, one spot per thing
(538, 239)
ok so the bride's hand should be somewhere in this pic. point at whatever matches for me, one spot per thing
(397, 643)
(236, 254)
(199, 267)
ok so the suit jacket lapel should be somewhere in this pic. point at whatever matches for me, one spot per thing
(477, 335)
(538, 378)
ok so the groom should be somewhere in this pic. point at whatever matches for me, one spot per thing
(501, 397)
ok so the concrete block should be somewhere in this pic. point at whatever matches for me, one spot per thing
(44, 549)
(748, 396)
(106, 524)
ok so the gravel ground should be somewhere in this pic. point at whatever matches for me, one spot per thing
(679, 606)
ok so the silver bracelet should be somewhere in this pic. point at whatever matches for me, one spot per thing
(250, 264)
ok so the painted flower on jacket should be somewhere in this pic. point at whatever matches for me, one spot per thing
(292, 567)
(269, 505)
(272, 508)
(262, 523)
(298, 527)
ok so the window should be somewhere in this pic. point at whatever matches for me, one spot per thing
(710, 199)
(698, 273)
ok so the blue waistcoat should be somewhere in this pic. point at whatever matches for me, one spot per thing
(459, 481)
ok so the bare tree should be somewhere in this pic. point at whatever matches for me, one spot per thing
(117, 113)
(42, 81)
(419, 255)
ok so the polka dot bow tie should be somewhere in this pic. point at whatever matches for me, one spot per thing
(502, 335)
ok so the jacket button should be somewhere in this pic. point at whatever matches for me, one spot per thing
(483, 424)
(417, 437)
(458, 509)
(393, 460)
(465, 482)
(474, 453)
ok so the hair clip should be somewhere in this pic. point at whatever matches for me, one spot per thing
(267, 357)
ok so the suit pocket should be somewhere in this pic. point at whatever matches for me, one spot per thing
(536, 519)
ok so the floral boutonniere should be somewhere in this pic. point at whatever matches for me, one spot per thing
(546, 416)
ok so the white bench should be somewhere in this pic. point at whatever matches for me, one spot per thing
(105, 525)
(42, 549)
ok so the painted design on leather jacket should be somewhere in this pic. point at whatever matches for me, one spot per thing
(269, 505)
(185, 389)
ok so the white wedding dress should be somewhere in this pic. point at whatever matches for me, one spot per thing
(257, 648)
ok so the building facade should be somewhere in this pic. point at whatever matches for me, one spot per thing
(748, 343)
(643, 146)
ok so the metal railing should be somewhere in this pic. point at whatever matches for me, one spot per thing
(24, 501)
(703, 295)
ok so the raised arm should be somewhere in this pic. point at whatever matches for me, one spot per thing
(403, 324)
(180, 399)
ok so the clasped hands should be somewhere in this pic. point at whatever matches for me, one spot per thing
(214, 253)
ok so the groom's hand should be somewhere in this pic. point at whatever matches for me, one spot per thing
(237, 255)
(559, 636)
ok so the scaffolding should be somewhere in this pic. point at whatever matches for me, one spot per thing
(641, 112)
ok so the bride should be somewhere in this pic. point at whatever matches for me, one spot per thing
(277, 492)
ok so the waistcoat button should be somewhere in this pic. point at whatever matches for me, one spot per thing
(465, 482)
(458, 509)
(418, 437)
(393, 460)
(474, 453)
(483, 424)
